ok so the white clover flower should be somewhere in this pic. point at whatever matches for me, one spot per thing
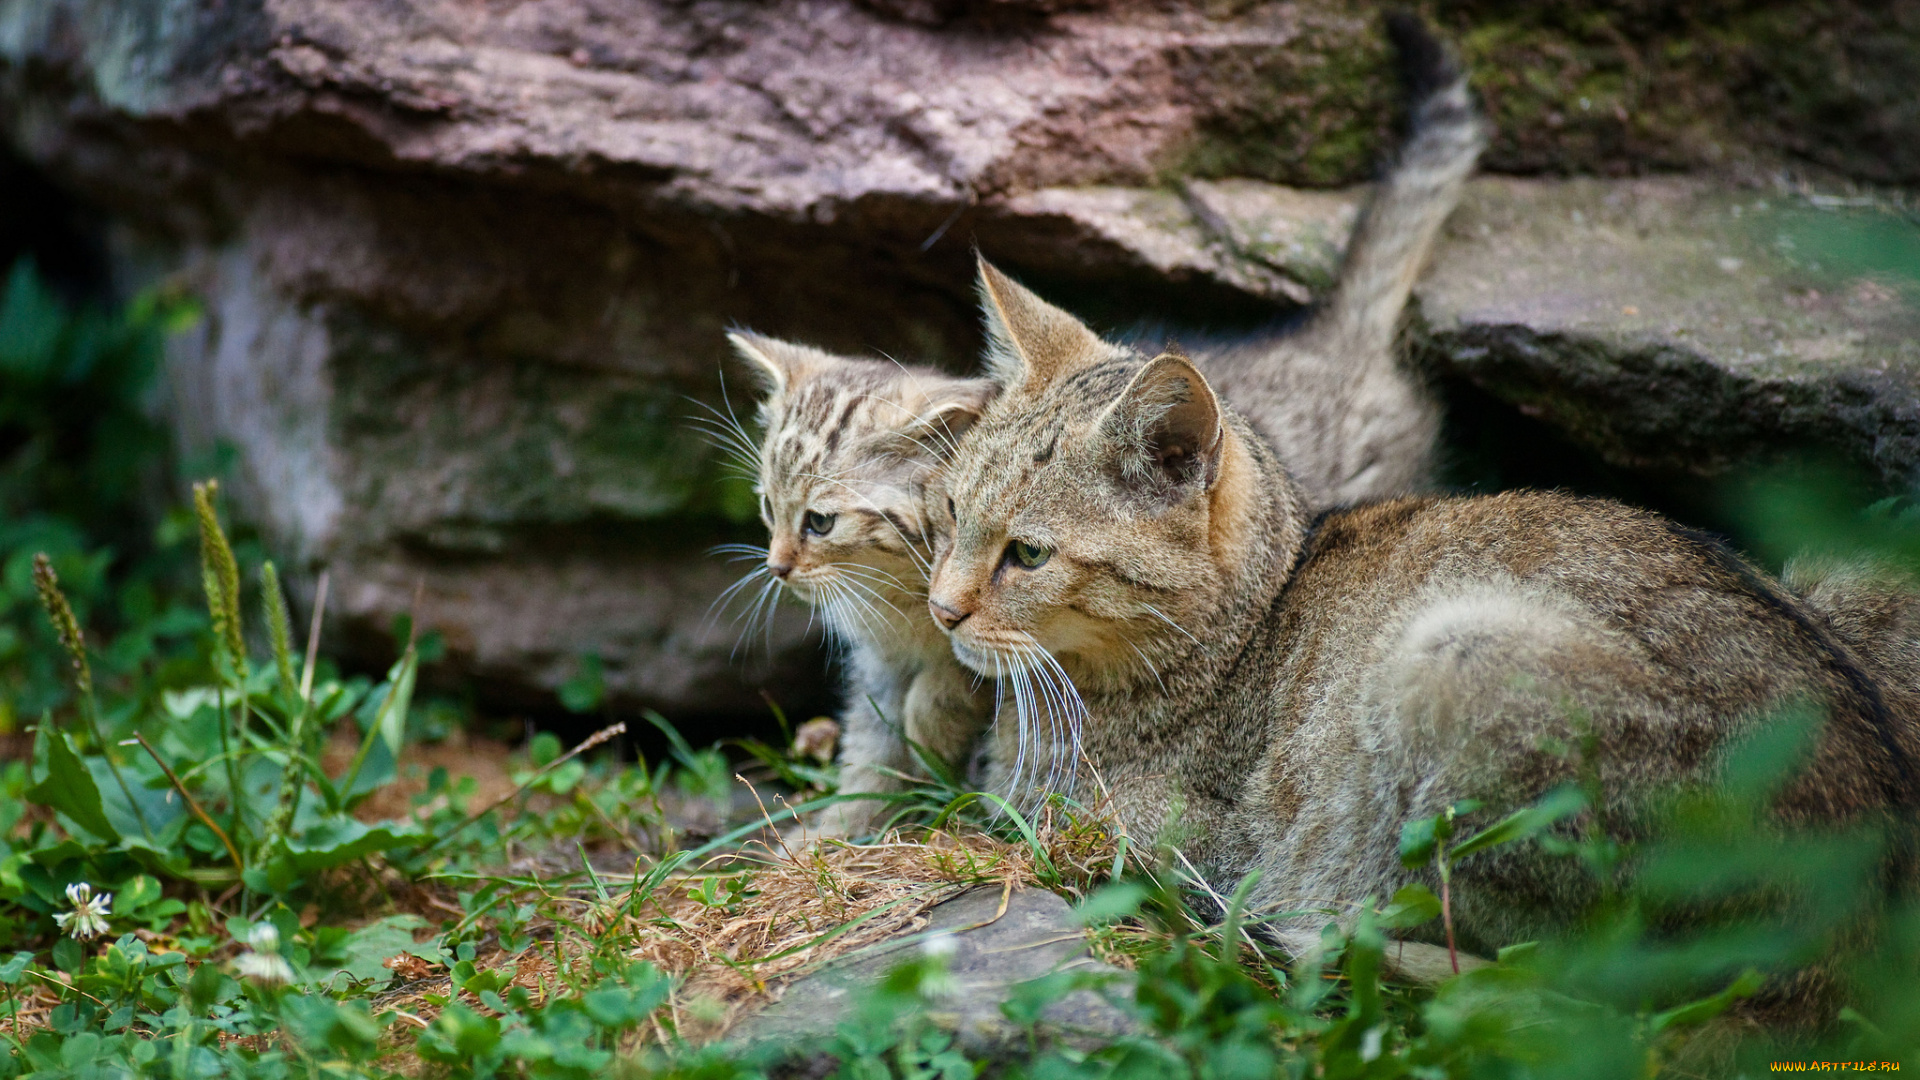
(264, 937)
(267, 969)
(264, 963)
(88, 919)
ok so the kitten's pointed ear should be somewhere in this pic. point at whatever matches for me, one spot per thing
(777, 364)
(1169, 427)
(1030, 342)
(953, 407)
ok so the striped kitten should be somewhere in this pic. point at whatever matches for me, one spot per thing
(849, 446)
(1328, 393)
(1280, 691)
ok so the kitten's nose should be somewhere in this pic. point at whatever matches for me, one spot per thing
(779, 569)
(945, 615)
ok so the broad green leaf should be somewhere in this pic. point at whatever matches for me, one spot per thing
(69, 788)
(364, 953)
(15, 969)
(1523, 823)
(1411, 906)
(1116, 901)
(160, 808)
(68, 955)
(1698, 1012)
(182, 704)
(340, 840)
(32, 320)
(208, 986)
(617, 1007)
(1519, 953)
(1417, 842)
(135, 893)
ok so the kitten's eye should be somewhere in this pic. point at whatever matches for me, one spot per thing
(951, 512)
(1031, 556)
(817, 523)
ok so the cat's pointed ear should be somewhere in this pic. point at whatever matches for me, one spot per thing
(777, 364)
(1030, 343)
(1167, 426)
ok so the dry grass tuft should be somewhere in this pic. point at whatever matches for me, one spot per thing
(798, 909)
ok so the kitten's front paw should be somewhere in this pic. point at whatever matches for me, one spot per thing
(843, 821)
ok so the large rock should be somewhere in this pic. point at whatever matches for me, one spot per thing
(464, 265)
(1672, 325)
(988, 952)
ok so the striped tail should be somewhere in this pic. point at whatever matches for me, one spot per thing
(1397, 227)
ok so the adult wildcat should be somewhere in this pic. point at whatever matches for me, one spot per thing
(848, 444)
(1280, 691)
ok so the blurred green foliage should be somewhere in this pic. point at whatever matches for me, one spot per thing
(80, 459)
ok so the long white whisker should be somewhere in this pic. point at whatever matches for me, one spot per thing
(1041, 693)
(1163, 618)
(727, 594)
(873, 573)
(920, 562)
(1076, 712)
(737, 447)
(738, 552)
(722, 437)
(726, 421)
(1148, 664)
(916, 421)
(872, 596)
(1023, 708)
(1066, 709)
(1002, 686)
(859, 608)
(750, 616)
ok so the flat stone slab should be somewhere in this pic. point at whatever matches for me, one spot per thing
(1035, 937)
(1673, 324)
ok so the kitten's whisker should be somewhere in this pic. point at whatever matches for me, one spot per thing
(864, 608)
(761, 600)
(738, 552)
(920, 562)
(721, 425)
(873, 573)
(916, 422)
(730, 592)
(729, 421)
(872, 595)
(725, 433)
(722, 436)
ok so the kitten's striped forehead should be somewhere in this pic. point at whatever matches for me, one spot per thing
(821, 428)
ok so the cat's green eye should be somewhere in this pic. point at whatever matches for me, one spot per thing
(1031, 556)
(817, 523)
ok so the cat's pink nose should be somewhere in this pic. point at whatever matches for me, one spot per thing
(945, 615)
(779, 569)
